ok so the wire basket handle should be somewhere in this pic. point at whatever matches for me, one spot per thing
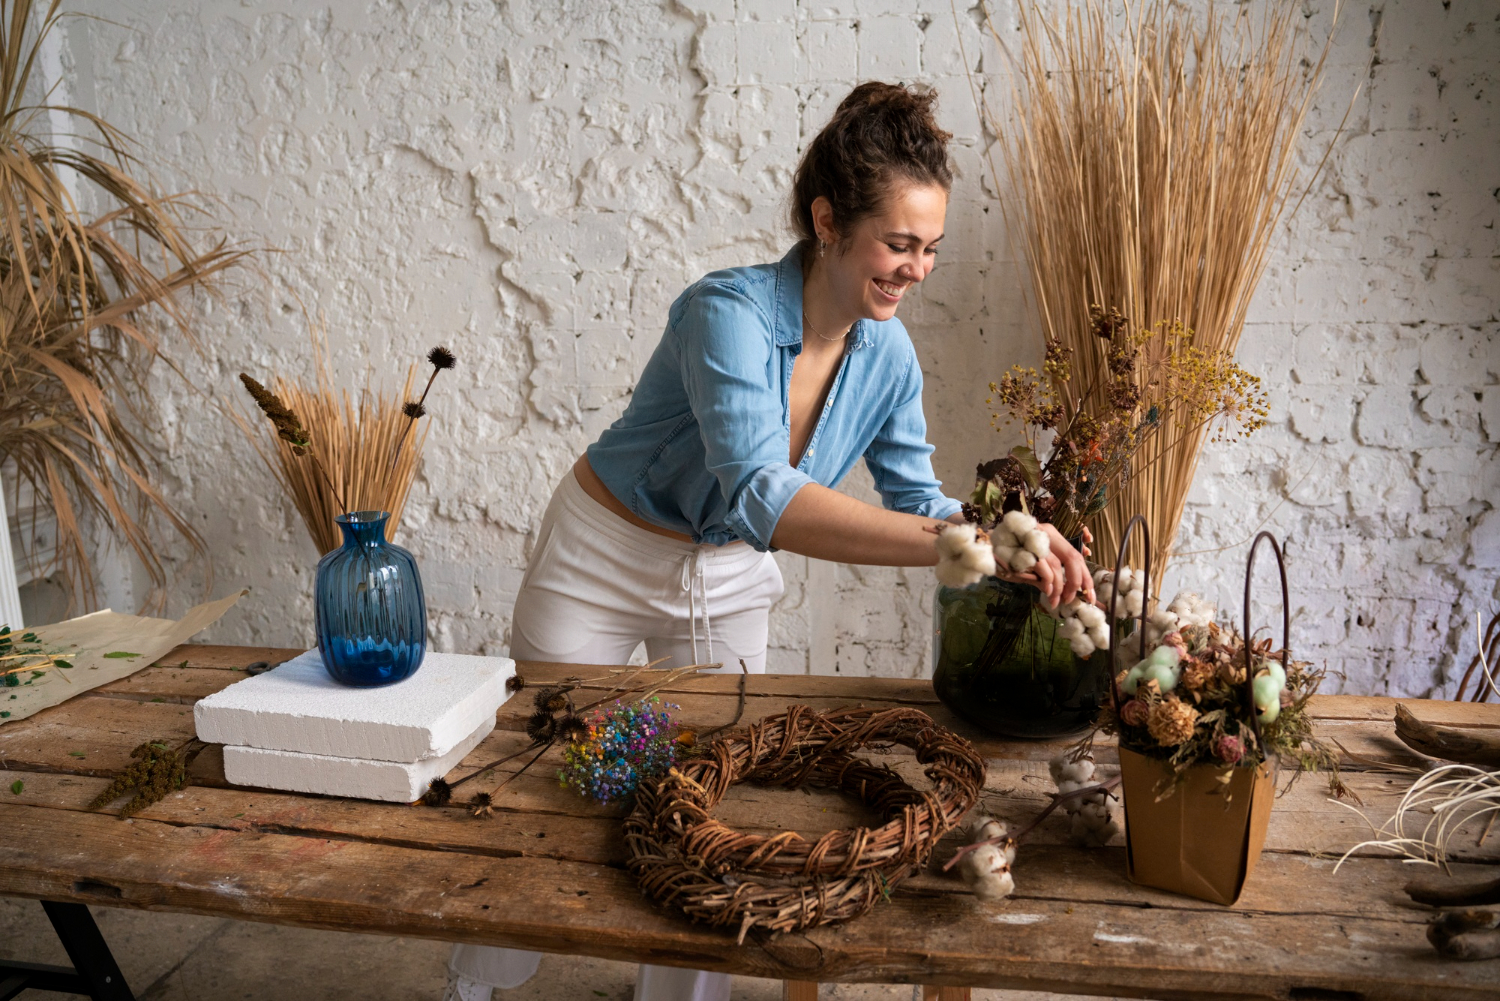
(1286, 627)
(1114, 600)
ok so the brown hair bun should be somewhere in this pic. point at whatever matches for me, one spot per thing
(880, 134)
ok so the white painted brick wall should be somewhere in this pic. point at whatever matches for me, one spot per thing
(533, 182)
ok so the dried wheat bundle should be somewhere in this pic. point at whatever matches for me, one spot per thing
(1149, 158)
(88, 304)
(360, 442)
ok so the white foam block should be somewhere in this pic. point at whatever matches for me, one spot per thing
(298, 707)
(359, 778)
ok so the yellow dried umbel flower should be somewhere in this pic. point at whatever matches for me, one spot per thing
(1172, 722)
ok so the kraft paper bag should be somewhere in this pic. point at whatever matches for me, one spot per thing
(1194, 842)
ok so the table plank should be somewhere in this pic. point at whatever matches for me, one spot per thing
(1075, 925)
(1085, 929)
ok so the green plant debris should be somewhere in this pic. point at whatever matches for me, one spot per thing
(17, 786)
(77, 754)
(158, 770)
(120, 655)
(6, 714)
(158, 699)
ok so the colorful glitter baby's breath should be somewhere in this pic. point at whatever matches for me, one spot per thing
(626, 743)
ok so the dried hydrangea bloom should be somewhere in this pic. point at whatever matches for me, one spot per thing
(1172, 722)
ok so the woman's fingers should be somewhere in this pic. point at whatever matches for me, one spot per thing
(1047, 573)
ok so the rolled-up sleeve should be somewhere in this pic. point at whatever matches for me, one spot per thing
(900, 459)
(728, 361)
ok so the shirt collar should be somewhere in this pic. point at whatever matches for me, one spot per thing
(789, 306)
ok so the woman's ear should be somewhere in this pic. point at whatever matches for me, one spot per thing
(822, 218)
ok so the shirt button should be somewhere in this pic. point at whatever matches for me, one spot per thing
(810, 452)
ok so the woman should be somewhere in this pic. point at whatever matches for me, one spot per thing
(767, 386)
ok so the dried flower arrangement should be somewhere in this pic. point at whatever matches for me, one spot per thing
(90, 302)
(1147, 157)
(338, 457)
(1153, 386)
(1184, 703)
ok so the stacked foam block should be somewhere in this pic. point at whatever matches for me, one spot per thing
(295, 728)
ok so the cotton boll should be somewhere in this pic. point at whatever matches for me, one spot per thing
(1068, 785)
(1105, 592)
(979, 559)
(987, 872)
(1083, 647)
(1276, 671)
(1100, 576)
(1132, 679)
(1099, 636)
(987, 828)
(1070, 629)
(1134, 602)
(1037, 543)
(996, 886)
(1018, 523)
(1004, 555)
(1164, 676)
(1090, 616)
(1022, 561)
(1124, 578)
(954, 539)
(952, 573)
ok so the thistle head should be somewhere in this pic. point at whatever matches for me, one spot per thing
(413, 409)
(441, 358)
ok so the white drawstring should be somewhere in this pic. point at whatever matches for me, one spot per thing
(692, 574)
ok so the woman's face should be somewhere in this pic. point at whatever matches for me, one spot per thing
(888, 252)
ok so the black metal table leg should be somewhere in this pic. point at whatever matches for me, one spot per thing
(94, 974)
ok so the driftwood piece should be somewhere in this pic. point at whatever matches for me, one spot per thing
(1450, 895)
(1447, 894)
(1466, 934)
(1470, 747)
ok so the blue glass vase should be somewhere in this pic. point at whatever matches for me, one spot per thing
(372, 616)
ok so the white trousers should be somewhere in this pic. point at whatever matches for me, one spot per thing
(596, 587)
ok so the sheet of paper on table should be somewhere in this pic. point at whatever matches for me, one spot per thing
(103, 647)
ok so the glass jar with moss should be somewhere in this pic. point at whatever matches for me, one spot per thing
(1000, 664)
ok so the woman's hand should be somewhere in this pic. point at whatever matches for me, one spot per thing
(1063, 574)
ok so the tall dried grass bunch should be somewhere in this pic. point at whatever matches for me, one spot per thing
(1147, 157)
(334, 453)
(88, 302)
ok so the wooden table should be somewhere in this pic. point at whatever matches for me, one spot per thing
(545, 872)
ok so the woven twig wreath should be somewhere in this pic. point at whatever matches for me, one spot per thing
(717, 875)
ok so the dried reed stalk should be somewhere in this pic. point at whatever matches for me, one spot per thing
(86, 307)
(1148, 162)
(353, 439)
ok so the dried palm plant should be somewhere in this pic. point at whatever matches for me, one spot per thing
(356, 454)
(87, 305)
(1148, 160)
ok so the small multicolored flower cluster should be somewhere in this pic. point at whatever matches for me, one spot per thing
(625, 743)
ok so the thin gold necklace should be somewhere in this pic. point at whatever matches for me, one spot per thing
(808, 324)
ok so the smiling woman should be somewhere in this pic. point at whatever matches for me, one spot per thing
(770, 382)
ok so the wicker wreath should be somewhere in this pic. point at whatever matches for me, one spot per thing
(717, 875)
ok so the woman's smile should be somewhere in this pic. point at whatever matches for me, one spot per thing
(889, 290)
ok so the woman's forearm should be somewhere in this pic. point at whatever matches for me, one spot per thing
(828, 525)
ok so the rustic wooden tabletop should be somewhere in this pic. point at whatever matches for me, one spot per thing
(546, 870)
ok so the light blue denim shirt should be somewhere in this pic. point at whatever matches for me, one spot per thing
(704, 446)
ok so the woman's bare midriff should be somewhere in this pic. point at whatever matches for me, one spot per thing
(595, 488)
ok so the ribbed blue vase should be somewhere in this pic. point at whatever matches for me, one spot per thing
(372, 616)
